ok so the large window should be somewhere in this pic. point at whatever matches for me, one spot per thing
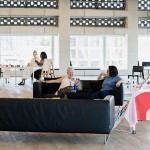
(18, 50)
(87, 51)
(143, 48)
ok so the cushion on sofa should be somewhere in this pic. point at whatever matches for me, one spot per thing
(92, 85)
(79, 95)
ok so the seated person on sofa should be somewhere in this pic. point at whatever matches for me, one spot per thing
(111, 79)
(67, 82)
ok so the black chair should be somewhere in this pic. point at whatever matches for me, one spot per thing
(1, 73)
(137, 69)
(146, 66)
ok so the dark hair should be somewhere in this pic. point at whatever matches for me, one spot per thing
(43, 55)
(113, 71)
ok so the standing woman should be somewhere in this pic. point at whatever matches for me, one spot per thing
(37, 73)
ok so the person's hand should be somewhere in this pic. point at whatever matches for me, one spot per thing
(101, 76)
(78, 84)
(118, 84)
(36, 61)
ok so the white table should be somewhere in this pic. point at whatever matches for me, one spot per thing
(139, 106)
(8, 69)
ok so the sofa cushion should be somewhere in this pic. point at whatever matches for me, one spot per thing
(92, 85)
(79, 95)
(50, 88)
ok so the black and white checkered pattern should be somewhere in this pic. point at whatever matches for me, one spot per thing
(45, 4)
(6, 21)
(98, 4)
(29, 21)
(101, 22)
(83, 4)
(144, 23)
(12, 3)
(46, 21)
(29, 3)
(121, 5)
(143, 4)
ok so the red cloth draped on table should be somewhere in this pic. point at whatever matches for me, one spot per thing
(138, 106)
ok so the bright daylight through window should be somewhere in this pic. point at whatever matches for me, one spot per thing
(18, 50)
(143, 49)
(98, 51)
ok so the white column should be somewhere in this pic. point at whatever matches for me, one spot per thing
(64, 35)
(132, 34)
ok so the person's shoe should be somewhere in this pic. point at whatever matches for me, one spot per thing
(21, 83)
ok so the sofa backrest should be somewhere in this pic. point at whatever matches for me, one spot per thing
(92, 85)
(47, 115)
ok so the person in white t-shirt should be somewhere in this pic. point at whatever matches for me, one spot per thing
(68, 80)
(32, 64)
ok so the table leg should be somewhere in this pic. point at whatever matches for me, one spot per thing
(133, 131)
(15, 76)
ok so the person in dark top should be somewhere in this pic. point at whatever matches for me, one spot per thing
(37, 73)
(111, 79)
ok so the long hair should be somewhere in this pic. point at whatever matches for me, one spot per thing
(113, 71)
(43, 55)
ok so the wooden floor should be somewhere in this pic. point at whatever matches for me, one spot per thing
(119, 140)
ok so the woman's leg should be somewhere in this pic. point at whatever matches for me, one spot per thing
(22, 82)
(87, 95)
(102, 94)
(37, 74)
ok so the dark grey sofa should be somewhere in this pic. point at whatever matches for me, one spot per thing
(51, 115)
(41, 90)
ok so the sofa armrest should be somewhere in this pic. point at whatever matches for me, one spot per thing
(37, 90)
(119, 95)
(40, 89)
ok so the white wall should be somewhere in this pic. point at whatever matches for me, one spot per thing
(64, 30)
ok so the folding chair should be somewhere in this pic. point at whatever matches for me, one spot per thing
(1, 72)
(26, 73)
(146, 66)
(137, 69)
(47, 69)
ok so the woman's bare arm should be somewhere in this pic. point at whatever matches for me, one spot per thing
(101, 76)
(119, 82)
(59, 80)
